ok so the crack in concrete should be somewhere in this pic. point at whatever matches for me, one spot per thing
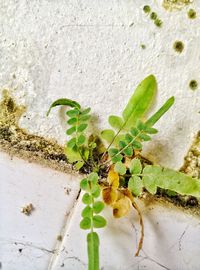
(29, 244)
(146, 257)
(181, 237)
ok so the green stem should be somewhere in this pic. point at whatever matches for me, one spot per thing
(93, 244)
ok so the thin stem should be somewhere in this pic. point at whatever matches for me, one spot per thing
(142, 228)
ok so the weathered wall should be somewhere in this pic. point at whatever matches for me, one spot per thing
(91, 51)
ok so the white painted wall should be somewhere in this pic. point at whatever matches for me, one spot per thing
(90, 51)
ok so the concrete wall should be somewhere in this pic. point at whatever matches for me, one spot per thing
(91, 51)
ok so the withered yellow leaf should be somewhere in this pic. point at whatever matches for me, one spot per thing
(113, 179)
(121, 207)
(109, 195)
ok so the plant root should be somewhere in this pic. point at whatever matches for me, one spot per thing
(142, 228)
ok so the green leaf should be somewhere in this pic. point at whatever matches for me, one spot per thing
(72, 113)
(154, 118)
(99, 221)
(71, 130)
(85, 223)
(87, 198)
(122, 144)
(86, 111)
(112, 152)
(144, 137)
(97, 192)
(116, 158)
(84, 118)
(150, 130)
(128, 138)
(120, 168)
(128, 151)
(134, 132)
(93, 251)
(87, 212)
(135, 185)
(108, 135)
(140, 125)
(84, 185)
(72, 154)
(72, 121)
(135, 166)
(64, 101)
(115, 121)
(93, 177)
(71, 143)
(98, 207)
(156, 176)
(137, 145)
(79, 164)
(82, 127)
(140, 101)
(81, 139)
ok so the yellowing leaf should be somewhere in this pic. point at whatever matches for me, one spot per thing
(109, 195)
(121, 207)
(113, 179)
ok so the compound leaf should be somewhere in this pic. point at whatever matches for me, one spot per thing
(156, 176)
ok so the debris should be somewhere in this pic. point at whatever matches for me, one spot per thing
(59, 237)
(27, 210)
(67, 190)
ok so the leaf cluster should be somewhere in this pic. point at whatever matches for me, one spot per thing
(132, 141)
(90, 214)
(91, 217)
(77, 149)
(130, 130)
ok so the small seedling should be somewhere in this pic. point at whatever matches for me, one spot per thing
(116, 171)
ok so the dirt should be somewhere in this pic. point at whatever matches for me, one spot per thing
(19, 142)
